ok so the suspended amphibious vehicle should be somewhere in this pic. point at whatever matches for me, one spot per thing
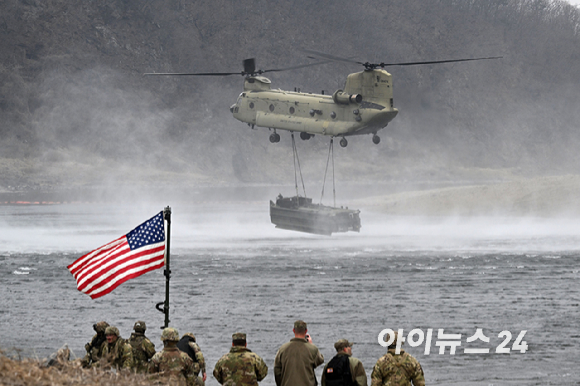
(300, 214)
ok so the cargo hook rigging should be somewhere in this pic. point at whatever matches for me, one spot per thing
(297, 162)
(330, 155)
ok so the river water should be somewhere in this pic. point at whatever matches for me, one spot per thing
(233, 271)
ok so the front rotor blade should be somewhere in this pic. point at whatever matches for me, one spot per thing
(437, 61)
(195, 74)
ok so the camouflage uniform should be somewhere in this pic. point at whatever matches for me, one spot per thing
(118, 354)
(177, 366)
(240, 367)
(95, 346)
(397, 370)
(143, 348)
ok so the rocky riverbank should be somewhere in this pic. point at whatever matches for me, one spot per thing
(29, 372)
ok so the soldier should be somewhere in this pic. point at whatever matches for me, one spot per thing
(344, 369)
(177, 366)
(95, 346)
(143, 348)
(188, 345)
(117, 352)
(240, 367)
(296, 360)
(397, 369)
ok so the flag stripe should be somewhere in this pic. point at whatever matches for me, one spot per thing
(141, 250)
(122, 272)
(113, 267)
(104, 263)
(81, 263)
(126, 274)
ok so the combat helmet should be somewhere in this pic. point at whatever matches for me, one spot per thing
(140, 326)
(170, 334)
(100, 326)
(394, 344)
(112, 331)
(190, 335)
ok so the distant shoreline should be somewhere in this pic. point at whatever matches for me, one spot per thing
(541, 196)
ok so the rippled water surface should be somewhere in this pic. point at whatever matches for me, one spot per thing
(232, 271)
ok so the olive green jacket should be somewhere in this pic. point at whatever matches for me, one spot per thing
(295, 363)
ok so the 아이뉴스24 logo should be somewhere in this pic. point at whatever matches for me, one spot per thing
(416, 337)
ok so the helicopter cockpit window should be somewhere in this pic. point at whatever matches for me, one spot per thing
(271, 107)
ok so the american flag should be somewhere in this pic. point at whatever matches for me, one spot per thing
(142, 250)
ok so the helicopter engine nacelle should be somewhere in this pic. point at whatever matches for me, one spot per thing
(341, 97)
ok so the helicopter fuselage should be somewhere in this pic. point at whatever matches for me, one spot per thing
(364, 107)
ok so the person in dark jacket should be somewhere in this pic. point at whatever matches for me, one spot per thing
(344, 369)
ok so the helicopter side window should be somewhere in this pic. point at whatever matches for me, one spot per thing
(251, 105)
(333, 115)
(292, 110)
(271, 107)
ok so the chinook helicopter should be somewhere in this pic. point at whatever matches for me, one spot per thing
(364, 106)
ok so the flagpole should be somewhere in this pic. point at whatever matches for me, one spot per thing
(167, 271)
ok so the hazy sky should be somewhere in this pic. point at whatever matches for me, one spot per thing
(574, 2)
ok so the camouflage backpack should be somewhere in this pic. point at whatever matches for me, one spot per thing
(136, 343)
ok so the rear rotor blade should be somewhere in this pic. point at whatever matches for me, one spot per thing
(436, 61)
(331, 57)
(369, 65)
(295, 67)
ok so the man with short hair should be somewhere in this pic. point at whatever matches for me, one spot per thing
(344, 369)
(397, 369)
(95, 346)
(296, 360)
(188, 345)
(240, 367)
(176, 365)
(143, 348)
(117, 352)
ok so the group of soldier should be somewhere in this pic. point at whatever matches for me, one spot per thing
(181, 360)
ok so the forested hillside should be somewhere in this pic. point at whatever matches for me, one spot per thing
(75, 108)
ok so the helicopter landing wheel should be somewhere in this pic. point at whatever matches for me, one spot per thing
(274, 138)
(376, 139)
(343, 142)
(305, 136)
